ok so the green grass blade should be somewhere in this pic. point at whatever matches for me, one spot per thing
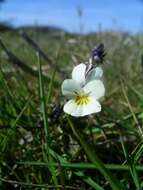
(80, 174)
(66, 164)
(46, 127)
(11, 131)
(131, 164)
(43, 102)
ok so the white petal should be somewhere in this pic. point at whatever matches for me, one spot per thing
(82, 110)
(92, 107)
(78, 73)
(70, 87)
(95, 88)
(94, 74)
(71, 108)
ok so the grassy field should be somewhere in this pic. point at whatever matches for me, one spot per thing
(43, 148)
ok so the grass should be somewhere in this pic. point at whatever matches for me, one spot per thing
(42, 148)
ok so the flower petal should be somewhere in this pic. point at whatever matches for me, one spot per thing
(72, 109)
(78, 73)
(94, 74)
(70, 87)
(95, 88)
(93, 106)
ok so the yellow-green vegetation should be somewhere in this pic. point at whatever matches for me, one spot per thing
(43, 148)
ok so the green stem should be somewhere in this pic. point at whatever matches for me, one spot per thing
(82, 165)
(43, 102)
(114, 183)
(46, 126)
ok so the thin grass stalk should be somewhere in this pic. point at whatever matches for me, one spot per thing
(81, 165)
(43, 102)
(12, 129)
(132, 112)
(46, 126)
(131, 165)
(79, 173)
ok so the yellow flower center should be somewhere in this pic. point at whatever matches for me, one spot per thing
(82, 100)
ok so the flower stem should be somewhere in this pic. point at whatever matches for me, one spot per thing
(114, 183)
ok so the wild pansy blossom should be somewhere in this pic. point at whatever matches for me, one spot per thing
(84, 90)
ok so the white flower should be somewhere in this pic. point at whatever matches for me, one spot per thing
(80, 74)
(84, 89)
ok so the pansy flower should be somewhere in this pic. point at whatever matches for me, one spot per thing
(84, 90)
